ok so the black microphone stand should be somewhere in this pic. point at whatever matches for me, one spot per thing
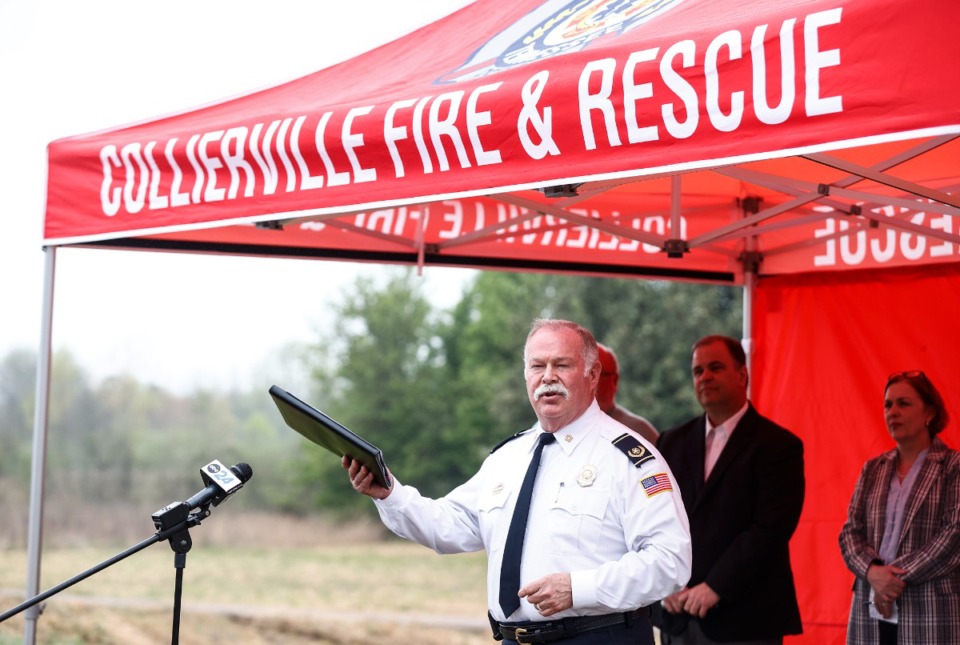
(173, 523)
(178, 520)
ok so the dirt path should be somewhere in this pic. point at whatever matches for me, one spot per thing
(317, 616)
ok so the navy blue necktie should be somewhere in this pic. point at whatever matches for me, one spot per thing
(510, 567)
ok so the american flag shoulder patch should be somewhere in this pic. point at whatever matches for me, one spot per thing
(656, 484)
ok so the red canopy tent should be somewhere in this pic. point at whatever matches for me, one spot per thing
(807, 152)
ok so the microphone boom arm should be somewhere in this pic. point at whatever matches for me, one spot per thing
(173, 523)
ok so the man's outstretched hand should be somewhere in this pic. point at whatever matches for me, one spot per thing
(362, 479)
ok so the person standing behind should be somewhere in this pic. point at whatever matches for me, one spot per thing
(607, 534)
(742, 481)
(902, 536)
(607, 392)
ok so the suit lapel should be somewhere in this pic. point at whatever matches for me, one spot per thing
(697, 455)
(878, 500)
(929, 473)
(740, 439)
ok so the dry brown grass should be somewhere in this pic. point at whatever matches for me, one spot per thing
(256, 579)
(77, 624)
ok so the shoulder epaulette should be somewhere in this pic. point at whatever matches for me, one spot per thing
(508, 440)
(633, 449)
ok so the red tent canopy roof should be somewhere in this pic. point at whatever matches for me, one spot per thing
(648, 137)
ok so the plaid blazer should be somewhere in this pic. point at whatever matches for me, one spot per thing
(929, 548)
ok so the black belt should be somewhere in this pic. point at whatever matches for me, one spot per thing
(546, 631)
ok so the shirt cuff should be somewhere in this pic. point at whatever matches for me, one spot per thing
(583, 589)
(397, 498)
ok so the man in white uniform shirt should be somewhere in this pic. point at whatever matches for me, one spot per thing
(606, 535)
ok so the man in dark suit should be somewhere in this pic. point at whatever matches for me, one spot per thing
(741, 478)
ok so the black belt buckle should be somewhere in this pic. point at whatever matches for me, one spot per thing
(539, 633)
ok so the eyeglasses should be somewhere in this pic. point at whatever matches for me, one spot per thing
(908, 374)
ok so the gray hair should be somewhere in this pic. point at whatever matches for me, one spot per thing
(588, 343)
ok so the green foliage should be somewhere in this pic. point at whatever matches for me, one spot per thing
(435, 390)
(390, 388)
(128, 443)
(437, 393)
(651, 326)
(17, 388)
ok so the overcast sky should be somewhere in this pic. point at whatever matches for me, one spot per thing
(177, 320)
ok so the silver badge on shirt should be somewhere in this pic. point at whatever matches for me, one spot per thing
(587, 476)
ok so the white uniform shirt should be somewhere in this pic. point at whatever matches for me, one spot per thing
(589, 515)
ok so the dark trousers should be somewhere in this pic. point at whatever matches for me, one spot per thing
(888, 632)
(638, 632)
(693, 635)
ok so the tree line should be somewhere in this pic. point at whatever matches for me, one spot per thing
(435, 389)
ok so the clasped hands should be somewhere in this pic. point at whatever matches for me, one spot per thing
(887, 586)
(696, 601)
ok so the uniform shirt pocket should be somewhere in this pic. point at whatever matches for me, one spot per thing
(490, 503)
(576, 518)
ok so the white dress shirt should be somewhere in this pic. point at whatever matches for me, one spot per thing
(721, 434)
(589, 516)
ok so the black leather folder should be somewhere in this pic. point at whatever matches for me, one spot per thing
(324, 431)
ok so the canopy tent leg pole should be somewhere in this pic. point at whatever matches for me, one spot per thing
(749, 288)
(38, 467)
(751, 266)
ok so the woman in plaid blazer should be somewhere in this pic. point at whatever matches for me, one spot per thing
(902, 535)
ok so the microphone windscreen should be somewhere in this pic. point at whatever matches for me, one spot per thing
(243, 471)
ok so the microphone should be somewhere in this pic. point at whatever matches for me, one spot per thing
(222, 482)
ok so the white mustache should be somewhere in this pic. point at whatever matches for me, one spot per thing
(551, 388)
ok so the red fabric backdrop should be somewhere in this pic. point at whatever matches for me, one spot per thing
(824, 345)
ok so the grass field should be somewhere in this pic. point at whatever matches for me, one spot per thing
(354, 591)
